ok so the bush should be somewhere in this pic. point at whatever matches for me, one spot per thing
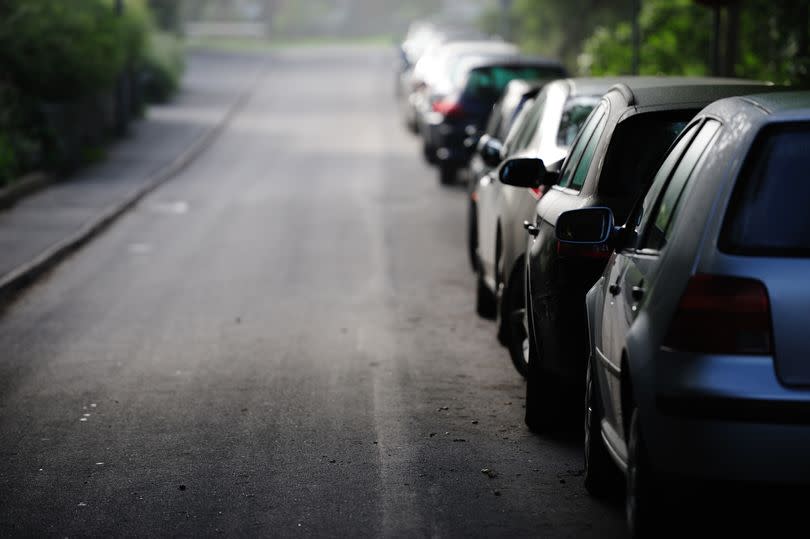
(162, 66)
(62, 51)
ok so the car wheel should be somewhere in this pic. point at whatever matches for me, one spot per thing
(514, 331)
(543, 396)
(484, 300)
(641, 503)
(472, 235)
(429, 153)
(600, 472)
(447, 174)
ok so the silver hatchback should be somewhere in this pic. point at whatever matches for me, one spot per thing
(700, 365)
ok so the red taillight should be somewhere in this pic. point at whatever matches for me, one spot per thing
(448, 108)
(537, 192)
(722, 315)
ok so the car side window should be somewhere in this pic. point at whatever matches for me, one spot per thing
(587, 156)
(579, 146)
(640, 214)
(660, 223)
(529, 125)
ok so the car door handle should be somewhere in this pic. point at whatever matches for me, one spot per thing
(637, 292)
(531, 229)
(614, 289)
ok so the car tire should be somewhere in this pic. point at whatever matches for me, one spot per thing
(472, 235)
(543, 396)
(514, 331)
(447, 174)
(429, 153)
(642, 505)
(484, 299)
(600, 472)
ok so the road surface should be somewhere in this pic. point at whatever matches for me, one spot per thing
(280, 341)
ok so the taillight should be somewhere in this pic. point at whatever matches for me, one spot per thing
(722, 315)
(448, 108)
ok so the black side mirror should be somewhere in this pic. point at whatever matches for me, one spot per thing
(490, 149)
(585, 232)
(523, 172)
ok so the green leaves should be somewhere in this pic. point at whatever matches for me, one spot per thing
(63, 51)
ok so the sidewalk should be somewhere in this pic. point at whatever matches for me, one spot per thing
(40, 230)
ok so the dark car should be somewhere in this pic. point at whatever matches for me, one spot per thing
(517, 95)
(473, 88)
(611, 162)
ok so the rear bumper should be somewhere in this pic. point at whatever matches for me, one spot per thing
(727, 418)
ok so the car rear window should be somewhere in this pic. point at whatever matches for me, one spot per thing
(575, 113)
(489, 82)
(768, 214)
(636, 150)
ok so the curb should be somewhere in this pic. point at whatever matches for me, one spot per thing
(24, 276)
(28, 184)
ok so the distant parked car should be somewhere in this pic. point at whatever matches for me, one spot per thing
(515, 98)
(698, 326)
(547, 129)
(428, 80)
(472, 89)
(612, 161)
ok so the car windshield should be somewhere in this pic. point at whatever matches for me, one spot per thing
(489, 82)
(768, 214)
(575, 113)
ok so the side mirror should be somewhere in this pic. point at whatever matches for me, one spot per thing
(523, 172)
(490, 150)
(585, 232)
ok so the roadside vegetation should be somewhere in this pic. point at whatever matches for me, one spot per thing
(770, 39)
(65, 67)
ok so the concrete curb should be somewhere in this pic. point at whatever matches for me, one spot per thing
(28, 184)
(23, 276)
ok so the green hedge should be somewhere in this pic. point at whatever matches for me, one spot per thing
(72, 53)
(162, 66)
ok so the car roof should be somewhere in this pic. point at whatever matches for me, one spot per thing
(661, 91)
(483, 60)
(590, 85)
(485, 46)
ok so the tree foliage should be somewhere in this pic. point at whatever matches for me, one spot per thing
(676, 36)
(66, 50)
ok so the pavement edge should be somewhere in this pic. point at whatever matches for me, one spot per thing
(14, 282)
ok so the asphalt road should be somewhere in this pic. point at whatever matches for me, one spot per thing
(280, 341)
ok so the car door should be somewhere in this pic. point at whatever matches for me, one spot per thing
(634, 266)
(489, 193)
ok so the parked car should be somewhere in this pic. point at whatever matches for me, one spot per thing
(613, 160)
(430, 73)
(699, 359)
(547, 130)
(515, 98)
(473, 87)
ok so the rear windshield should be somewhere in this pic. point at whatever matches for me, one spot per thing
(489, 82)
(575, 113)
(769, 212)
(637, 148)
